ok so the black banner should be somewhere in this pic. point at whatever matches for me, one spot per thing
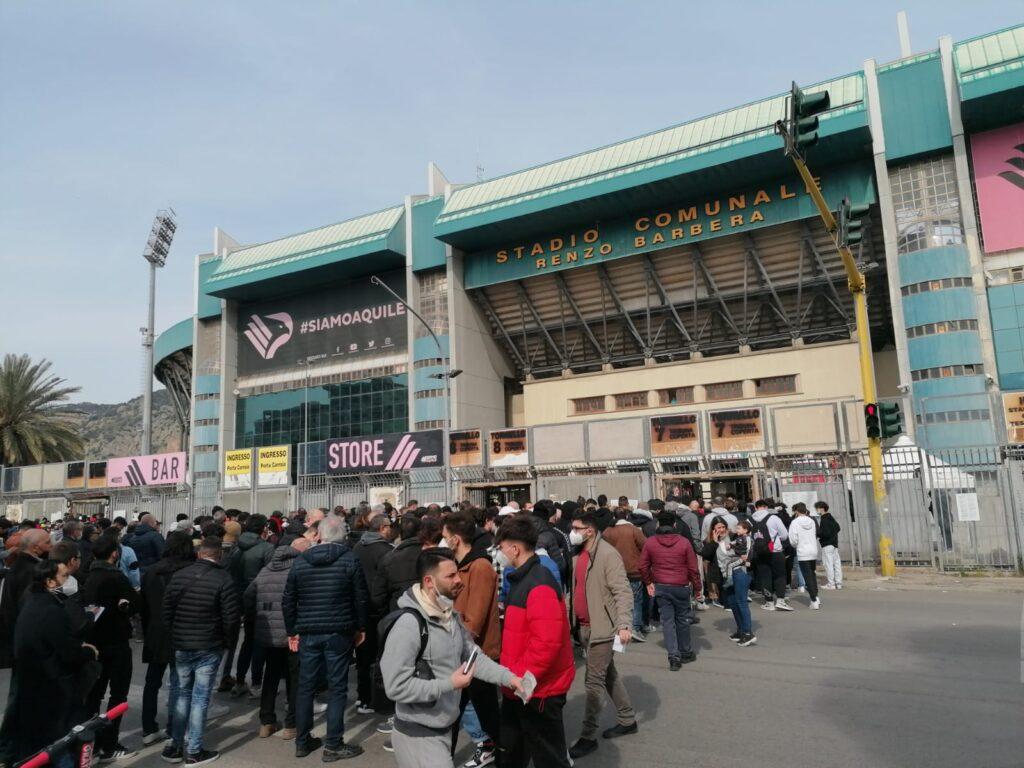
(355, 319)
(385, 453)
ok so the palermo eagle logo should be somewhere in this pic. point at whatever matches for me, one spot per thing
(268, 333)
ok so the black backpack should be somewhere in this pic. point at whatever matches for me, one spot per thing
(380, 702)
(762, 538)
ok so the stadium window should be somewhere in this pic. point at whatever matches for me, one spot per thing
(675, 396)
(629, 400)
(588, 404)
(724, 390)
(775, 385)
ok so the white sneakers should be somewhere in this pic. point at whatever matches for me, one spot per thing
(815, 605)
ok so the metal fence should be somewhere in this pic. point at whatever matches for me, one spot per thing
(954, 509)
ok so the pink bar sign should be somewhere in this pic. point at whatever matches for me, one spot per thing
(999, 176)
(156, 469)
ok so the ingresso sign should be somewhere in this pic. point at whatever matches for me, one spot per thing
(340, 323)
(396, 452)
(675, 223)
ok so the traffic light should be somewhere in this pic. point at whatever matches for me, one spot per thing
(803, 117)
(871, 423)
(850, 222)
(891, 419)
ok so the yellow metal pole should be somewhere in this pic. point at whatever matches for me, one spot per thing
(855, 281)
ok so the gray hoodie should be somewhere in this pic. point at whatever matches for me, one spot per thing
(432, 704)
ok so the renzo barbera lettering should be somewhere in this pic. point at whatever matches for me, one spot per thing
(653, 229)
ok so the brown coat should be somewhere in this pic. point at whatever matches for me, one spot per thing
(629, 541)
(477, 603)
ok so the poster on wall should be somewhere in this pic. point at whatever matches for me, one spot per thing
(74, 474)
(238, 469)
(340, 323)
(736, 431)
(508, 448)
(1013, 413)
(677, 435)
(390, 494)
(967, 510)
(466, 448)
(154, 469)
(396, 452)
(999, 178)
(272, 465)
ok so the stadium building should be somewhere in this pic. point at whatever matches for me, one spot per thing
(662, 313)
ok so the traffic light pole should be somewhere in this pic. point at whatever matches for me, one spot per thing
(855, 282)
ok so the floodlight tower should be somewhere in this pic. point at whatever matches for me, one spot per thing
(157, 248)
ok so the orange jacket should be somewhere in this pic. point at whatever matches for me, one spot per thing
(477, 603)
(629, 540)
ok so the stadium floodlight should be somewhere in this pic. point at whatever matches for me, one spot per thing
(158, 247)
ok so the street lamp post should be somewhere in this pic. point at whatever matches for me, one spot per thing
(157, 248)
(446, 375)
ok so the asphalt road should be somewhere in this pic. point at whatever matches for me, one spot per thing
(881, 676)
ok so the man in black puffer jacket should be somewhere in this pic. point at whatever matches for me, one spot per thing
(325, 613)
(246, 559)
(201, 612)
(262, 603)
(146, 541)
(371, 549)
(547, 538)
(397, 569)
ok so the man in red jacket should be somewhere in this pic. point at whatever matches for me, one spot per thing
(535, 639)
(668, 567)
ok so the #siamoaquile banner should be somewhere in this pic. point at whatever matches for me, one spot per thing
(350, 320)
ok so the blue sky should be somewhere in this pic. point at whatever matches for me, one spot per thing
(269, 118)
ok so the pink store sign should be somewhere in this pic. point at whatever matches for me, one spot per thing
(156, 469)
(999, 176)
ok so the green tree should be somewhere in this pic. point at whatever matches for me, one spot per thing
(32, 429)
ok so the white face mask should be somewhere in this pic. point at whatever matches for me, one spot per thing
(443, 544)
(576, 538)
(502, 559)
(444, 603)
(70, 587)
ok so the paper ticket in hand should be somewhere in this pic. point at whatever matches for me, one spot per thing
(617, 645)
(529, 686)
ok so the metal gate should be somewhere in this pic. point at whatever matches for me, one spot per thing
(632, 485)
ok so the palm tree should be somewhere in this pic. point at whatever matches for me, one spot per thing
(32, 430)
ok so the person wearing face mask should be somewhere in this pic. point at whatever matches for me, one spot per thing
(373, 545)
(603, 607)
(427, 687)
(47, 658)
(108, 588)
(535, 638)
(477, 605)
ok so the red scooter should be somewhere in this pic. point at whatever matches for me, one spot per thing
(83, 735)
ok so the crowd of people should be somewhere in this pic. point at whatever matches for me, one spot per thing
(456, 618)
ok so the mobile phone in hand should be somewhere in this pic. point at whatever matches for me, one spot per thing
(471, 660)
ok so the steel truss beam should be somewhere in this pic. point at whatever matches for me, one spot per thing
(564, 290)
(665, 301)
(525, 301)
(485, 305)
(606, 281)
(776, 304)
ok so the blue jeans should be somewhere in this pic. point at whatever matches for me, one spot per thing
(471, 725)
(639, 593)
(317, 654)
(736, 598)
(197, 673)
(674, 605)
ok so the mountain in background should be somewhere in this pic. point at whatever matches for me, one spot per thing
(111, 430)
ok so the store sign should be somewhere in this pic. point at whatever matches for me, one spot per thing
(238, 469)
(999, 177)
(272, 465)
(677, 223)
(736, 431)
(1013, 413)
(74, 474)
(508, 448)
(97, 474)
(396, 452)
(466, 448)
(677, 435)
(154, 469)
(341, 323)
